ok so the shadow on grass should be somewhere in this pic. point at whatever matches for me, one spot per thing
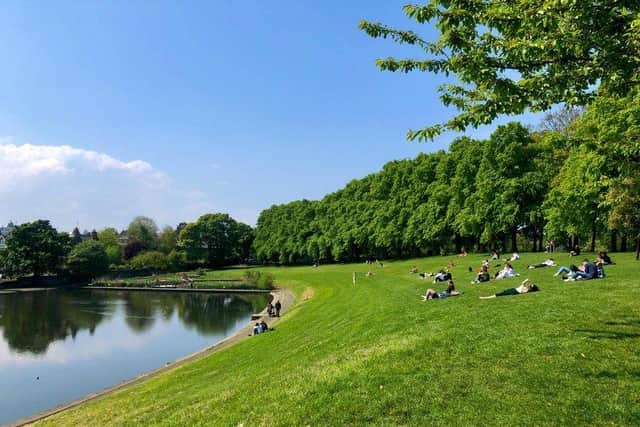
(615, 374)
(609, 335)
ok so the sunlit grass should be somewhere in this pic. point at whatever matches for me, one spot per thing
(374, 353)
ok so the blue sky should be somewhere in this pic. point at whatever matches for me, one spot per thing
(226, 106)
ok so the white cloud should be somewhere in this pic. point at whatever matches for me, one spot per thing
(70, 185)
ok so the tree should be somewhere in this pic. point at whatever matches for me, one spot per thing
(167, 239)
(145, 230)
(134, 248)
(114, 254)
(108, 237)
(88, 259)
(623, 199)
(35, 248)
(574, 202)
(213, 238)
(520, 55)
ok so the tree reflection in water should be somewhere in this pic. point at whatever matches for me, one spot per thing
(31, 321)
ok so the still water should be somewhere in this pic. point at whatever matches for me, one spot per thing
(59, 345)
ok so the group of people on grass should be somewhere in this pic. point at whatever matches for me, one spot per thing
(261, 328)
(587, 270)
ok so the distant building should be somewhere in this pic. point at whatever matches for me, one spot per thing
(4, 232)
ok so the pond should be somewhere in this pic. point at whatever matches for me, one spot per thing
(59, 345)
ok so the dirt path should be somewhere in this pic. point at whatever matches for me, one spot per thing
(286, 298)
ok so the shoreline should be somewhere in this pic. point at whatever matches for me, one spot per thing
(286, 298)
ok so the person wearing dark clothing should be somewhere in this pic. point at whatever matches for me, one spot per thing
(524, 288)
(270, 310)
(588, 271)
(278, 308)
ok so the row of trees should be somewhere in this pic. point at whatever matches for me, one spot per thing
(576, 181)
(37, 248)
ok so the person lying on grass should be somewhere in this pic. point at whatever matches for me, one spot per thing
(549, 262)
(524, 288)
(449, 292)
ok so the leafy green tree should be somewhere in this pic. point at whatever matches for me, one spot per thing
(574, 203)
(213, 238)
(88, 259)
(145, 230)
(108, 237)
(114, 254)
(35, 248)
(133, 248)
(510, 57)
(623, 198)
(167, 240)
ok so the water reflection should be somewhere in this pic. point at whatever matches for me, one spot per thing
(89, 340)
(31, 321)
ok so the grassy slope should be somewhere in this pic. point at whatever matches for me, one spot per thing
(375, 353)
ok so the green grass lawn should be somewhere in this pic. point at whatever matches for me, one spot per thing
(374, 353)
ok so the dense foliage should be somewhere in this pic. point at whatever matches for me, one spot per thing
(35, 248)
(215, 240)
(515, 190)
(88, 259)
(509, 57)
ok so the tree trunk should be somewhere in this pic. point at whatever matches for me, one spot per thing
(535, 240)
(614, 241)
(541, 242)
(638, 247)
(514, 239)
(593, 236)
(623, 243)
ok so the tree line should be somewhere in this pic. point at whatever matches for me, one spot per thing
(575, 181)
(37, 248)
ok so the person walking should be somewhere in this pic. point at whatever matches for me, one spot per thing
(278, 308)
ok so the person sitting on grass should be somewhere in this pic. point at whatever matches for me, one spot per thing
(495, 255)
(414, 270)
(257, 329)
(449, 292)
(549, 262)
(525, 287)
(506, 272)
(606, 260)
(587, 272)
(483, 275)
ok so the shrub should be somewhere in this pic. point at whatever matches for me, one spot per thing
(152, 260)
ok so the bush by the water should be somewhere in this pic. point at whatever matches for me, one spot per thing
(150, 260)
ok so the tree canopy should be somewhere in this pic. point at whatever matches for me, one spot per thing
(509, 57)
(88, 259)
(35, 248)
(216, 239)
